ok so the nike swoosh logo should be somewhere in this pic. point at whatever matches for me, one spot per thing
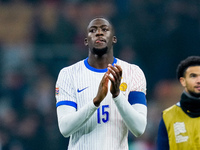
(80, 90)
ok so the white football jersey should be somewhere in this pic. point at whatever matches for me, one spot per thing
(78, 84)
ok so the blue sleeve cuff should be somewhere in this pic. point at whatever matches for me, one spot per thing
(69, 103)
(136, 97)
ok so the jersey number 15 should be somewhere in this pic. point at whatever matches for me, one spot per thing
(103, 114)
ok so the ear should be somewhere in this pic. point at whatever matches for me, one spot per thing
(182, 81)
(114, 39)
(86, 42)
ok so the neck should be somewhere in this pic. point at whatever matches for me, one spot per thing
(190, 104)
(100, 62)
(190, 96)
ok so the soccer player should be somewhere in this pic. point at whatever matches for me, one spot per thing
(179, 127)
(101, 97)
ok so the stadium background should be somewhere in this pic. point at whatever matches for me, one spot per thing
(39, 37)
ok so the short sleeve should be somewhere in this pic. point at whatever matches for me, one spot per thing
(64, 90)
(136, 78)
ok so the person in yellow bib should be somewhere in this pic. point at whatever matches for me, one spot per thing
(179, 127)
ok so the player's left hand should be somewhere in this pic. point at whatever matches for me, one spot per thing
(116, 72)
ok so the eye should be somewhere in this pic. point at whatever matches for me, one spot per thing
(192, 75)
(104, 29)
(92, 30)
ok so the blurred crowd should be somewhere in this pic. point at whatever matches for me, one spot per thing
(39, 37)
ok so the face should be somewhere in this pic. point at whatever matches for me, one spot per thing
(100, 36)
(191, 80)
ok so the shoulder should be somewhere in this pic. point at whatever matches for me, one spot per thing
(171, 108)
(69, 71)
(169, 113)
(73, 67)
(128, 66)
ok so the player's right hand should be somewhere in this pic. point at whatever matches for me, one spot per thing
(102, 91)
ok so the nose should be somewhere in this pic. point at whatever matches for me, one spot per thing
(99, 32)
(198, 79)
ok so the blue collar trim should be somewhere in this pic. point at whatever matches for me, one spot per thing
(97, 70)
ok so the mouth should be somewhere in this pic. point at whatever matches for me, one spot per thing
(100, 40)
(197, 87)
